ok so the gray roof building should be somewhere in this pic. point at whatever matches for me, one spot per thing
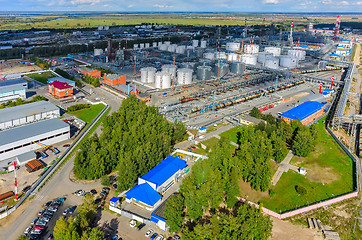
(13, 84)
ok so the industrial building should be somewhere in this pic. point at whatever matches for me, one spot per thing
(13, 89)
(60, 89)
(114, 79)
(19, 140)
(306, 112)
(90, 72)
(27, 113)
(157, 181)
(62, 80)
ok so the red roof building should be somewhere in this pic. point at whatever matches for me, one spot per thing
(60, 89)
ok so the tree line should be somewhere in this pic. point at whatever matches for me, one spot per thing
(134, 139)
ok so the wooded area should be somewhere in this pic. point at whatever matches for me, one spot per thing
(134, 140)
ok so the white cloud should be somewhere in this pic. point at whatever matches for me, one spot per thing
(81, 2)
(130, 6)
(162, 6)
(271, 1)
(345, 3)
(359, 3)
(326, 2)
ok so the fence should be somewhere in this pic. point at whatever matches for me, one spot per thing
(41, 181)
(130, 215)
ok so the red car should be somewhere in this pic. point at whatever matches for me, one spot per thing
(41, 227)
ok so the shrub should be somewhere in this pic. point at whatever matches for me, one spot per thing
(271, 193)
(300, 190)
(77, 107)
(106, 181)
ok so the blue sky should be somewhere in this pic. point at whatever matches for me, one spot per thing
(185, 5)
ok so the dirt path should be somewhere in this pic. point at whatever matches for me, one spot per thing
(284, 230)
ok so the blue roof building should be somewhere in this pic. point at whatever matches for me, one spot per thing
(303, 111)
(144, 194)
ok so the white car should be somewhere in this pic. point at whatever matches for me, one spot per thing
(36, 231)
(160, 237)
(149, 233)
(133, 223)
(28, 229)
(53, 209)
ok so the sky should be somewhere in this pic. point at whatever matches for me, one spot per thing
(185, 5)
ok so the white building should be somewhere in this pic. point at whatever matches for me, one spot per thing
(13, 89)
(19, 140)
(27, 113)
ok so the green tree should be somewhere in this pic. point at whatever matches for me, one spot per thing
(174, 212)
(303, 143)
(255, 113)
(106, 181)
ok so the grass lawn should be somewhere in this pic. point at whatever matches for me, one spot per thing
(41, 77)
(231, 134)
(88, 114)
(329, 173)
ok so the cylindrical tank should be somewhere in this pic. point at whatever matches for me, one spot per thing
(162, 80)
(154, 44)
(223, 69)
(237, 67)
(272, 63)
(162, 47)
(135, 46)
(288, 61)
(299, 54)
(171, 48)
(198, 52)
(233, 57)
(159, 43)
(147, 45)
(264, 56)
(209, 55)
(98, 52)
(167, 43)
(169, 68)
(249, 59)
(233, 46)
(142, 45)
(148, 74)
(251, 49)
(190, 65)
(203, 73)
(274, 50)
(180, 49)
(203, 44)
(184, 76)
(195, 43)
(220, 55)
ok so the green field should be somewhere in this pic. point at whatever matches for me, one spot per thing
(41, 77)
(88, 114)
(231, 134)
(329, 174)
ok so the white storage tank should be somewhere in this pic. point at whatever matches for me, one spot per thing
(184, 76)
(209, 55)
(299, 54)
(148, 74)
(171, 48)
(180, 49)
(190, 65)
(169, 68)
(232, 57)
(168, 43)
(195, 43)
(203, 44)
(159, 43)
(142, 45)
(162, 80)
(288, 61)
(203, 73)
(154, 44)
(251, 49)
(220, 55)
(237, 67)
(162, 47)
(249, 59)
(98, 52)
(272, 63)
(264, 56)
(147, 45)
(276, 51)
(135, 46)
(223, 69)
(233, 46)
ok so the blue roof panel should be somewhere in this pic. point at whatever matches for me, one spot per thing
(114, 199)
(303, 110)
(144, 193)
(163, 171)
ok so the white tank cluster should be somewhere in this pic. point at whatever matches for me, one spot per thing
(233, 46)
(203, 73)
(180, 49)
(272, 63)
(163, 47)
(299, 54)
(203, 43)
(135, 46)
(148, 74)
(288, 61)
(98, 52)
(162, 80)
(190, 65)
(195, 43)
(169, 68)
(167, 43)
(209, 55)
(147, 45)
(220, 55)
(184, 76)
(249, 59)
(276, 51)
(172, 48)
(264, 56)
(233, 57)
(142, 45)
(154, 44)
(237, 67)
(251, 49)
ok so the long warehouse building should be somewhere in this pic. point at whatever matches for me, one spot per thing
(13, 89)
(19, 140)
(27, 113)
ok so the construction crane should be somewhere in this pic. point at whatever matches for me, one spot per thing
(46, 147)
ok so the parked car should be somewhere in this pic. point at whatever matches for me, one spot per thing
(86, 193)
(40, 222)
(93, 191)
(27, 188)
(133, 223)
(104, 193)
(28, 229)
(115, 186)
(115, 237)
(34, 236)
(148, 233)
(53, 209)
(71, 210)
(36, 231)
(62, 199)
(48, 212)
(141, 226)
(48, 216)
(66, 211)
(50, 237)
(41, 212)
(169, 238)
(160, 237)
(154, 236)
(47, 204)
(66, 145)
(45, 219)
(34, 220)
(39, 227)
(176, 237)
(79, 192)
(106, 189)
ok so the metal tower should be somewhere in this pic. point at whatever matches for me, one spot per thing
(290, 38)
(336, 28)
(245, 29)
